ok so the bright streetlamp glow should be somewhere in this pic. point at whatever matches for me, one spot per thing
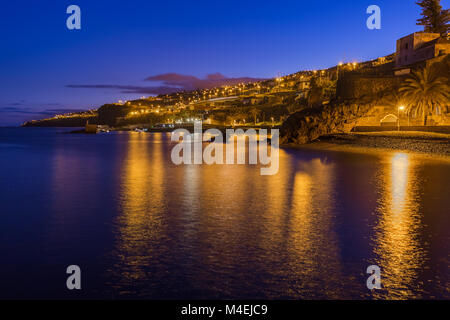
(398, 116)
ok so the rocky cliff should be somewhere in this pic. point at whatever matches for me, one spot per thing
(311, 123)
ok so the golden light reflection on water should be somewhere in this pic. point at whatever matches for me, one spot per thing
(277, 193)
(227, 229)
(117, 204)
(141, 202)
(399, 251)
(231, 214)
(313, 243)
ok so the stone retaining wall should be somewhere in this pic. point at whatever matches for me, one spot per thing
(438, 129)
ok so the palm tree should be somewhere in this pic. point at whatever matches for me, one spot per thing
(255, 112)
(425, 91)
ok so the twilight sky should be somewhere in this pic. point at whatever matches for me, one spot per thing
(125, 48)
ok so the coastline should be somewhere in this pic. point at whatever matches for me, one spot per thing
(428, 144)
(420, 143)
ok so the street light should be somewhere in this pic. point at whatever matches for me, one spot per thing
(337, 70)
(398, 116)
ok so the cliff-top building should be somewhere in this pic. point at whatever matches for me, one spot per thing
(420, 46)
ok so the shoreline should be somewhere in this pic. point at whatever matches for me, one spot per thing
(419, 143)
(189, 128)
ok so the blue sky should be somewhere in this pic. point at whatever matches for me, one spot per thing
(121, 43)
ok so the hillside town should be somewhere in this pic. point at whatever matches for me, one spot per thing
(378, 89)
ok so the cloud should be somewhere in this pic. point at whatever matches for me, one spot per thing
(127, 89)
(172, 78)
(59, 111)
(187, 82)
(171, 82)
(14, 109)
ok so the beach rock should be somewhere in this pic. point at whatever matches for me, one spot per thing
(309, 124)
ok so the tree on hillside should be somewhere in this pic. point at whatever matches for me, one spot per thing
(234, 118)
(255, 112)
(425, 91)
(434, 18)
